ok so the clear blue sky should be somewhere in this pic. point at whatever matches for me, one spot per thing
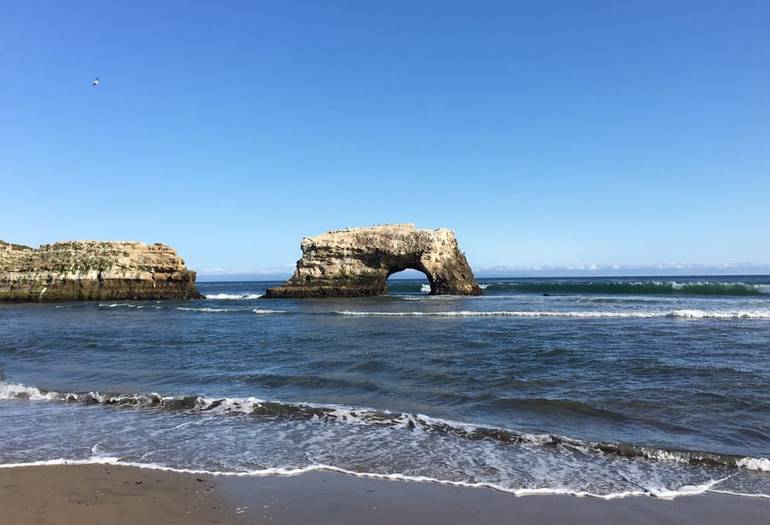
(546, 133)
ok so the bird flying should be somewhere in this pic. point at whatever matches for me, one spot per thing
(95, 82)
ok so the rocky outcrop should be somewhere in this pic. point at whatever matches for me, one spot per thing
(358, 261)
(93, 270)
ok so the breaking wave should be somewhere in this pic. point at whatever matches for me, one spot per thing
(233, 297)
(128, 305)
(339, 414)
(726, 314)
(210, 310)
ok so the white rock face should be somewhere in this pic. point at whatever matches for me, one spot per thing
(93, 270)
(358, 261)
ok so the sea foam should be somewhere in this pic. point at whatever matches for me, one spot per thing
(349, 415)
(245, 296)
(655, 492)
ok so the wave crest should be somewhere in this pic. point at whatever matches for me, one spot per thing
(338, 414)
(245, 296)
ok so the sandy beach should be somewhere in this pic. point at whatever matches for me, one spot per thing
(83, 494)
(95, 494)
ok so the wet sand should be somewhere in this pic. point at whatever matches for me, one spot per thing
(106, 494)
(96, 494)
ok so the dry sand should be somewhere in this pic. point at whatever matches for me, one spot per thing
(98, 494)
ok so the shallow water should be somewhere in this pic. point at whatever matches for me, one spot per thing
(603, 386)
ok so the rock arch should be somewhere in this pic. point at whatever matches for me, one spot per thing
(358, 261)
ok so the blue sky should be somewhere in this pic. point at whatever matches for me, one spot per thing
(547, 134)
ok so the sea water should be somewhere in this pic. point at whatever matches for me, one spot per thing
(594, 386)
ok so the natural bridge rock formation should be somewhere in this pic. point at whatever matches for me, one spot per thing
(357, 262)
(93, 270)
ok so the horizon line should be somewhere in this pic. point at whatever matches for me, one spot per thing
(416, 275)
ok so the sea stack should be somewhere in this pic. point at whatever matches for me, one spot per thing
(93, 270)
(356, 262)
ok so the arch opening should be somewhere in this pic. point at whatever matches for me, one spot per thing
(408, 281)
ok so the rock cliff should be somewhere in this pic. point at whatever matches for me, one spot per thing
(93, 270)
(358, 261)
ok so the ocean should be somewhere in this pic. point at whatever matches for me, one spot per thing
(609, 387)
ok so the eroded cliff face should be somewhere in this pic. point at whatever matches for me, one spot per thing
(357, 262)
(93, 270)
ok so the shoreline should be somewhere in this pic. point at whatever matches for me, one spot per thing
(113, 493)
(286, 472)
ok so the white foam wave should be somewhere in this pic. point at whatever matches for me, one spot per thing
(758, 288)
(246, 296)
(128, 305)
(19, 391)
(656, 492)
(587, 314)
(261, 311)
(211, 310)
(10, 391)
(121, 305)
(721, 314)
(760, 464)
(425, 288)
(342, 414)
(742, 494)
